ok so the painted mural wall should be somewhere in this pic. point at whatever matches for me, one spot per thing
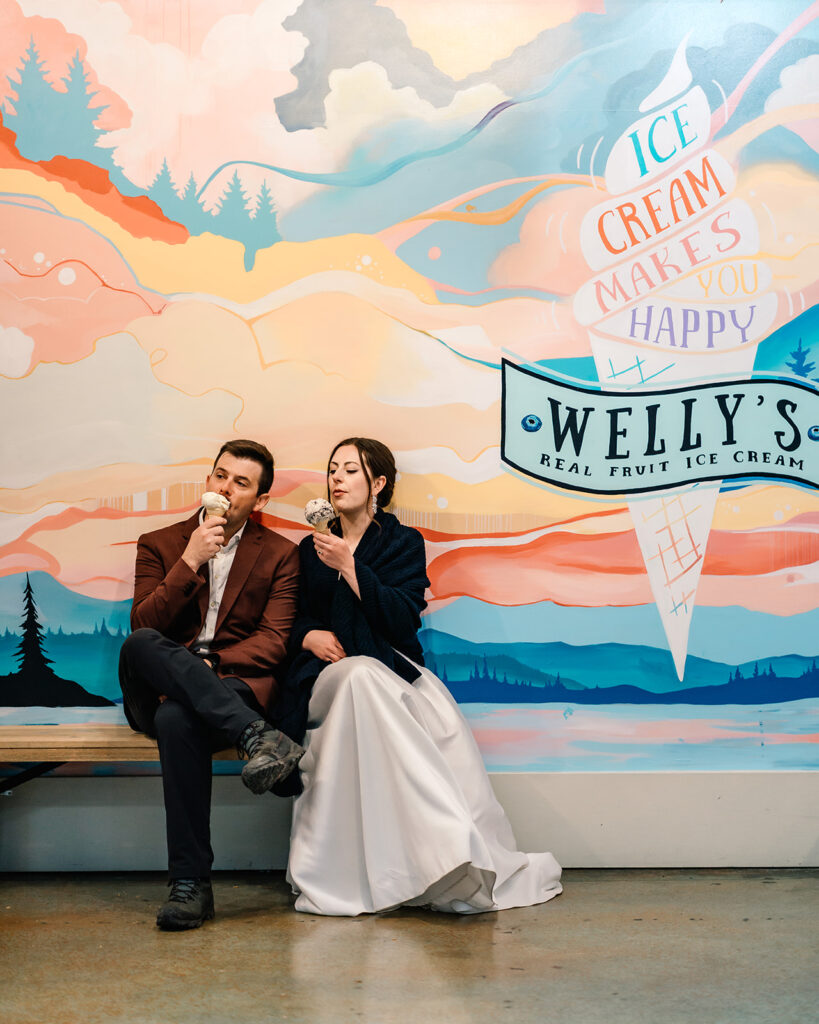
(560, 255)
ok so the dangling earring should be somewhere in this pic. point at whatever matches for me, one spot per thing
(375, 505)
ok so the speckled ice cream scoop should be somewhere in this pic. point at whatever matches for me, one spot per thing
(215, 504)
(318, 513)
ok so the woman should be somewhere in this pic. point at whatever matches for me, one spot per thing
(396, 807)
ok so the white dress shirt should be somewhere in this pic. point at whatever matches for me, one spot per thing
(219, 569)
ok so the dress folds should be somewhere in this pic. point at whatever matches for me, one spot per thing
(397, 808)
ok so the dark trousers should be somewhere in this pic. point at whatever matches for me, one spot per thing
(202, 714)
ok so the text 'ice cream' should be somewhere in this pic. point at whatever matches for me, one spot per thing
(318, 512)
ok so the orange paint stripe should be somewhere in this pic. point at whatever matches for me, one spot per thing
(504, 213)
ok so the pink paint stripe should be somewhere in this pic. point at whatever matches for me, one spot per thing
(726, 111)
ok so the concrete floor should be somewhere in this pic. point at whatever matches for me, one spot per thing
(618, 947)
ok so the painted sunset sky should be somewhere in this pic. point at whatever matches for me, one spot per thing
(266, 223)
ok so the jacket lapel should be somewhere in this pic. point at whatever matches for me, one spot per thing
(203, 595)
(187, 528)
(243, 561)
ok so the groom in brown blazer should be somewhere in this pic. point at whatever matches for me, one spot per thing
(214, 600)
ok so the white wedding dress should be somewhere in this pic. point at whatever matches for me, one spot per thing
(397, 808)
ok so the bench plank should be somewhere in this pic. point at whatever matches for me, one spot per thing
(91, 742)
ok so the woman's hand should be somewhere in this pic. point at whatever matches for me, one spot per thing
(333, 552)
(324, 645)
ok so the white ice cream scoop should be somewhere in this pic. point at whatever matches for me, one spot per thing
(318, 512)
(215, 504)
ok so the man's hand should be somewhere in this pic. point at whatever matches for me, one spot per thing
(205, 542)
(324, 645)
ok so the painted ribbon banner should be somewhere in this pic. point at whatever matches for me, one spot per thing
(611, 442)
(736, 281)
(632, 222)
(662, 138)
(726, 233)
(692, 327)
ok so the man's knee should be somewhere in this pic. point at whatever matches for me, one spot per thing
(137, 643)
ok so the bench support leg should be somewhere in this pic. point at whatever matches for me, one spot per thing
(36, 770)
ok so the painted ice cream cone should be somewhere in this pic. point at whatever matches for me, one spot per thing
(663, 307)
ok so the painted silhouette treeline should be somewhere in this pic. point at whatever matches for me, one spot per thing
(519, 674)
(49, 121)
(249, 221)
(485, 686)
(35, 684)
(485, 673)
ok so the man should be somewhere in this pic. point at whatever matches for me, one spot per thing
(214, 599)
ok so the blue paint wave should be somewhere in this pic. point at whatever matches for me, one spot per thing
(358, 179)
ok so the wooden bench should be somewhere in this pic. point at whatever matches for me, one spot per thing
(49, 746)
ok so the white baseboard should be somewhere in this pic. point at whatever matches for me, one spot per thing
(666, 819)
(634, 819)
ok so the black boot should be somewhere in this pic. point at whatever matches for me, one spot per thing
(272, 756)
(188, 906)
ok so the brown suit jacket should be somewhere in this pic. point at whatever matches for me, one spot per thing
(257, 609)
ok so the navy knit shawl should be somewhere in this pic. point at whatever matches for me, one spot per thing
(390, 563)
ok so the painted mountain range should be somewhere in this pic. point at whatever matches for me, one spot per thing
(608, 674)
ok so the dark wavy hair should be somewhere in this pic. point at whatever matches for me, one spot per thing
(377, 460)
(244, 449)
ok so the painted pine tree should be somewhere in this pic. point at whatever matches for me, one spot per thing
(34, 108)
(799, 363)
(75, 133)
(35, 683)
(50, 121)
(192, 214)
(163, 192)
(264, 230)
(30, 654)
(233, 215)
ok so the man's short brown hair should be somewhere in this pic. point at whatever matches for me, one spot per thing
(244, 449)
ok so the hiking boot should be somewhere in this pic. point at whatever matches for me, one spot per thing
(273, 756)
(188, 906)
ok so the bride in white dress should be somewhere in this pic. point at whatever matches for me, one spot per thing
(396, 808)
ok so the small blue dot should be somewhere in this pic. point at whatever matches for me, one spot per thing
(813, 433)
(531, 423)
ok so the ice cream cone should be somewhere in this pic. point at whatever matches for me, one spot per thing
(215, 505)
(319, 513)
